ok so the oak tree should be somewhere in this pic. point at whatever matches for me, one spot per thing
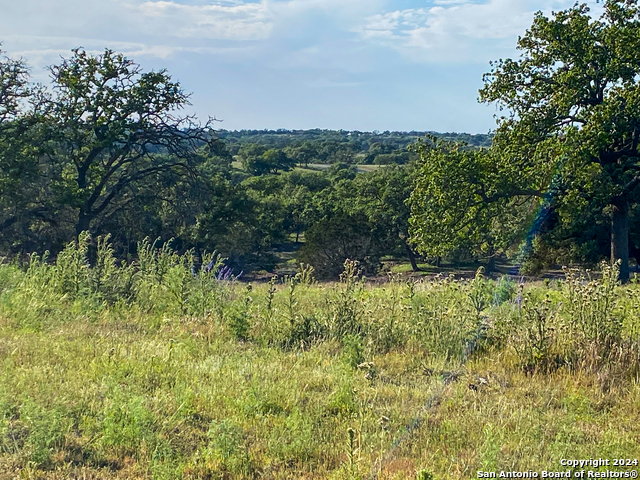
(570, 131)
(112, 127)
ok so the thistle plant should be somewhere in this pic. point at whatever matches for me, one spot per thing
(153, 265)
(480, 292)
(352, 450)
(153, 261)
(206, 294)
(537, 335)
(72, 267)
(292, 301)
(179, 282)
(305, 274)
(388, 333)
(271, 293)
(37, 294)
(424, 475)
(302, 328)
(592, 304)
(345, 305)
(109, 281)
(238, 320)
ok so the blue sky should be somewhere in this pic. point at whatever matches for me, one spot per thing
(351, 64)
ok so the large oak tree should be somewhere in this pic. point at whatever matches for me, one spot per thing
(571, 128)
(113, 127)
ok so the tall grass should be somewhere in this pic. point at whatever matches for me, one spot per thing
(163, 369)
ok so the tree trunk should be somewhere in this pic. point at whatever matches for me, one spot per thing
(620, 236)
(491, 264)
(412, 257)
(84, 221)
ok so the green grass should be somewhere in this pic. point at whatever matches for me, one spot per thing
(237, 164)
(169, 376)
(368, 168)
(325, 166)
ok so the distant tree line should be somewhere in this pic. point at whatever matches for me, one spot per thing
(105, 150)
(334, 146)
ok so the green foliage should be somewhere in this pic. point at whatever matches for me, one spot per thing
(111, 283)
(178, 282)
(177, 181)
(481, 292)
(564, 158)
(14, 78)
(271, 293)
(72, 267)
(153, 361)
(537, 334)
(331, 240)
(138, 388)
(424, 475)
(206, 295)
(351, 449)
(227, 445)
(353, 350)
(305, 274)
(468, 200)
(259, 161)
(18, 154)
(505, 289)
(592, 307)
(112, 144)
(345, 307)
(126, 425)
(239, 319)
(572, 98)
(37, 296)
(47, 429)
(443, 323)
(342, 402)
(303, 330)
(331, 146)
(9, 277)
(388, 334)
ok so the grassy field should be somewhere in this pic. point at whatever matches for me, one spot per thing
(160, 370)
(237, 164)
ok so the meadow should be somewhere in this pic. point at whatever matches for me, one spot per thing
(170, 367)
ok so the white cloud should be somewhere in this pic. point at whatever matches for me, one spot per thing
(448, 30)
(449, 2)
(261, 57)
(456, 30)
(164, 27)
(235, 21)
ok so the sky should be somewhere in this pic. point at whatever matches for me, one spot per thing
(296, 64)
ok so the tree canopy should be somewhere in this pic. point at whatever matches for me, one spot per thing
(17, 153)
(470, 200)
(115, 126)
(107, 135)
(569, 135)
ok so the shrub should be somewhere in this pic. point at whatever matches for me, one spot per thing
(591, 307)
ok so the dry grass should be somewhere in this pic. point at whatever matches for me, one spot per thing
(442, 377)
